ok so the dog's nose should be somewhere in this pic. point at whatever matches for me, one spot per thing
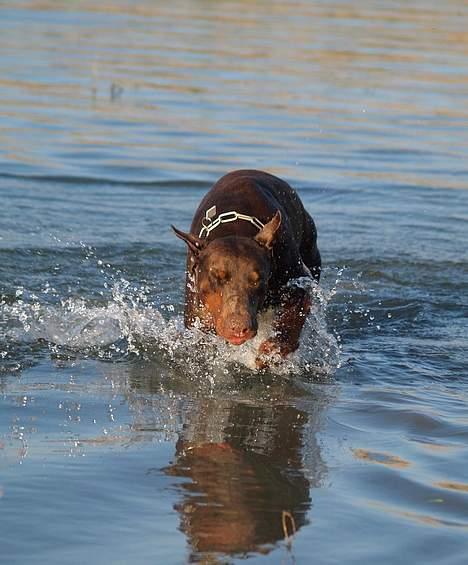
(239, 329)
(241, 332)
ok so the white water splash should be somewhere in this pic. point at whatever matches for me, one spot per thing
(130, 325)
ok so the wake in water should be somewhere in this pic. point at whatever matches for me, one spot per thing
(131, 325)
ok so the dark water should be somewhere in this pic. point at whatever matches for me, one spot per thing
(124, 439)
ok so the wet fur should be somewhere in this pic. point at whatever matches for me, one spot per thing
(237, 271)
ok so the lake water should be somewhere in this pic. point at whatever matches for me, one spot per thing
(125, 439)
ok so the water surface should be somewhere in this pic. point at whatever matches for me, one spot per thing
(125, 439)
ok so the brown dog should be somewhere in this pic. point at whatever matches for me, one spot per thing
(249, 238)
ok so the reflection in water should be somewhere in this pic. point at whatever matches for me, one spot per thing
(248, 455)
(245, 470)
(243, 458)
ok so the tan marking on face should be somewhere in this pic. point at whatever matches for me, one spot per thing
(254, 278)
(213, 302)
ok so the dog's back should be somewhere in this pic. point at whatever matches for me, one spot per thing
(260, 194)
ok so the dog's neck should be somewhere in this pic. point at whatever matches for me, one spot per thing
(211, 221)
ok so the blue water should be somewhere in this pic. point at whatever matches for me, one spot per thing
(125, 439)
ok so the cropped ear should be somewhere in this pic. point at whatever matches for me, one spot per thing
(195, 244)
(267, 235)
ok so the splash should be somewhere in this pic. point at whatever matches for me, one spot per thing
(130, 324)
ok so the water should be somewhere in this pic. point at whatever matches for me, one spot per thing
(125, 439)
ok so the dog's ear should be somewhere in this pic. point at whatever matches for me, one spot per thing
(267, 235)
(195, 244)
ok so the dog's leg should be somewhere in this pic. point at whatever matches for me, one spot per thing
(287, 325)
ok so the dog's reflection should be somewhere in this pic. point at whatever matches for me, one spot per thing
(246, 455)
(245, 471)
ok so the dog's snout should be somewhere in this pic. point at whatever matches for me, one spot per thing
(241, 328)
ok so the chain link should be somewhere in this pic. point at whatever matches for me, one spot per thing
(208, 224)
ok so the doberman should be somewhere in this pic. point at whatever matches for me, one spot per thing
(250, 237)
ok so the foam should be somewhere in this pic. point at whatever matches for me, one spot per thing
(130, 325)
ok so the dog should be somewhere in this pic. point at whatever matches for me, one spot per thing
(249, 239)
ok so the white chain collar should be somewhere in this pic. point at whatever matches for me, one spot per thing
(209, 223)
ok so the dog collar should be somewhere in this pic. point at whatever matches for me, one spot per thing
(210, 222)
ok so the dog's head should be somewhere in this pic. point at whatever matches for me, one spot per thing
(231, 278)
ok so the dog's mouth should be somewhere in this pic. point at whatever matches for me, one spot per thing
(235, 339)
